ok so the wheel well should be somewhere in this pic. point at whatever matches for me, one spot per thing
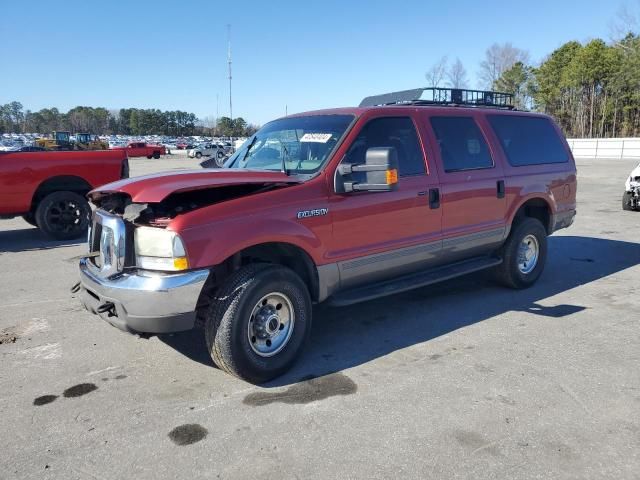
(284, 254)
(65, 183)
(535, 208)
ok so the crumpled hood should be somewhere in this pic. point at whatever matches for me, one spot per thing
(155, 188)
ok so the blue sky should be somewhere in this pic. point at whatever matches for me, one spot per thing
(172, 55)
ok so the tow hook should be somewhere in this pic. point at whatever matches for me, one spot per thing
(107, 307)
(75, 288)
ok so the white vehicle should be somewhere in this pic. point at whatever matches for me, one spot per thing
(631, 196)
(209, 150)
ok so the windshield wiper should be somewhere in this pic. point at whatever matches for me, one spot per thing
(244, 157)
(284, 160)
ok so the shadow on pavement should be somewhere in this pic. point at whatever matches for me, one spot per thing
(346, 337)
(32, 239)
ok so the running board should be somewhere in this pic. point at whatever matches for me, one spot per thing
(411, 281)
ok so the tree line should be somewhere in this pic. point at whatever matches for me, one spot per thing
(126, 121)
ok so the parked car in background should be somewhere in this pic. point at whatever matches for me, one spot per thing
(142, 149)
(48, 188)
(208, 150)
(631, 196)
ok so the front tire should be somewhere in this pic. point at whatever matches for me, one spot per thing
(258, 321)
(156, 155)
(220, 158)
(198, 155)
(523, 255)
(63, 215)
(626, 201)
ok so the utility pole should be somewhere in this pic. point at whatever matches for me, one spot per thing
(229, 63)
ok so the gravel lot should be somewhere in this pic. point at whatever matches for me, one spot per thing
(462, 380)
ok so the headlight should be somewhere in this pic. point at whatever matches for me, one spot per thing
(159, 249)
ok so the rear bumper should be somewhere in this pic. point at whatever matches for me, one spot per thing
(562, 220)
(143, 302)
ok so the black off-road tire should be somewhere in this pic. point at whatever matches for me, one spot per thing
(508, 273)
(156, 155)
(30, 219)
(626, 201)
(227, 316)
(63, 215)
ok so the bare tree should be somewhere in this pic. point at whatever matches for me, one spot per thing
(436, 74)
(498, 59)
(626, 22)
(457, 75)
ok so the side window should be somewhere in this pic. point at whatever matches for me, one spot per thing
(528, 140)
(462, 145)
(397, 132)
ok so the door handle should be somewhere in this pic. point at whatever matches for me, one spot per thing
(434, 198)
(422, 193)
(501, 189)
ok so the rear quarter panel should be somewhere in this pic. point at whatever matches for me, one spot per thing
(21, 173)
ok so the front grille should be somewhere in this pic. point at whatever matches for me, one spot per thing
(108, 238)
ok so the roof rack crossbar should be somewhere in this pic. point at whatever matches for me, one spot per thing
(443, 96)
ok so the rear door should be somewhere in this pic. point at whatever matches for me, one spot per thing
(383, 234)
(472, 184)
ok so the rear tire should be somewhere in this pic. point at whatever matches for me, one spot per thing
(156, 155)
(523, 255)
(626, 201)
(257, 322)
(63, 215)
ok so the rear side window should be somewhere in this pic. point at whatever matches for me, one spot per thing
(397, 132)
(528, 140)
(462, 145)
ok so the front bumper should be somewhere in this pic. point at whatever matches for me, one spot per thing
(143, 302)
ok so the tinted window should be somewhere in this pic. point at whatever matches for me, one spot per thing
(399, 133)
(461, 143)
(528, 140)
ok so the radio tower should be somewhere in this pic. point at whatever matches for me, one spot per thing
(229, 63)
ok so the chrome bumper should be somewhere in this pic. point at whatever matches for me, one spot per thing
(144, 302)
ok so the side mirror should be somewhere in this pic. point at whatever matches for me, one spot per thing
(380, 171)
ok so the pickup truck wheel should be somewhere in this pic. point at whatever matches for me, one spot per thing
(258, 321)
(626, 201)
(30, 219)
(63, 215)
(523, 254)
(156, 155)
(198, 154)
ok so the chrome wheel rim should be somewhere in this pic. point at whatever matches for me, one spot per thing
(271, 324)
(528, 253)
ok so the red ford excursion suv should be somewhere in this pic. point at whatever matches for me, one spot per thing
(342, 206)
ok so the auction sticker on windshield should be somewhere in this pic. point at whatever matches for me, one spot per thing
(316, 137)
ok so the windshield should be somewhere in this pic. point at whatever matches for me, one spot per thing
(298, 145)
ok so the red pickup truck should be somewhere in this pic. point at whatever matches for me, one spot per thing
(340, 205)
(141, 149)
(48, 188)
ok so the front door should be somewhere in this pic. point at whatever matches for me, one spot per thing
(379, 235)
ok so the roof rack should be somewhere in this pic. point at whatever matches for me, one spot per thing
(443, 96)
